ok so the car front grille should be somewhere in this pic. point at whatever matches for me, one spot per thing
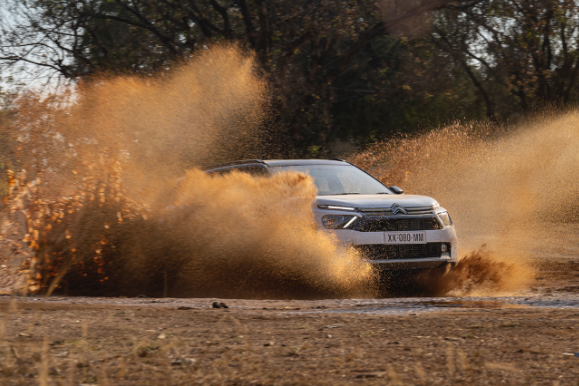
(406, 251)
(386, 224)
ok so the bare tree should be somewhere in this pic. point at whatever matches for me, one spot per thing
(523, 52)
(304, 47)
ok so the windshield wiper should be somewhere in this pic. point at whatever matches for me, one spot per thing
(382, 193)
(343, 194)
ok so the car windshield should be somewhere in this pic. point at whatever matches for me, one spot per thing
(338, 179)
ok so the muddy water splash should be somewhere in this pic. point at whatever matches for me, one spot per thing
(509, 188)
(106, 212)
(105, 216)
(255, 235)
(479, 273)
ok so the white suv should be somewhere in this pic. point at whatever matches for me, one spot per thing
(391, 229)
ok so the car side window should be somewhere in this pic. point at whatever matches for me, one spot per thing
(249, 169)
(218, 171)
(253, 170)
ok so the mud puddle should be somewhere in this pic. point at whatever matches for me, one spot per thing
(392, 306)
(416, 305)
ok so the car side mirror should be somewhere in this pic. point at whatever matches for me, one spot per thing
(396, 190)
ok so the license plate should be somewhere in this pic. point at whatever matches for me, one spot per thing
(404, 238)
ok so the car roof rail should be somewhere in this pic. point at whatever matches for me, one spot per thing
(338, 159)
(233, 163)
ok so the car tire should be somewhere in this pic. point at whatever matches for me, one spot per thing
(404, 283)
(394, 283)
(444, 268)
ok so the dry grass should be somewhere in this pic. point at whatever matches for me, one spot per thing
(156, 344)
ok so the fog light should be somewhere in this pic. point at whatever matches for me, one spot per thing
(443, 248)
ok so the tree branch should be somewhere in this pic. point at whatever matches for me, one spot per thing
(249, 28)
(227, 33)
(384, 27)
(149, 26)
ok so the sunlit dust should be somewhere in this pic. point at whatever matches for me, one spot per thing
(506, 187)
(106, 195)
(121, 218)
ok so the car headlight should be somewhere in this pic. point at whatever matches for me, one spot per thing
(337, 207)
(336, 221)
(445, 219)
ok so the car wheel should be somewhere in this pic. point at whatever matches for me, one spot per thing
(396, 283)
(444, 268)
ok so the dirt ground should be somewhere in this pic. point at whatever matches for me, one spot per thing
(528, 339)
(142, 341)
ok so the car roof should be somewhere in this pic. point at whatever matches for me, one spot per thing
(298, 162)
(276, 163)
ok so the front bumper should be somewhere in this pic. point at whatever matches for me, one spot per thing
(429, 262)
(407, 256)
(376, 241)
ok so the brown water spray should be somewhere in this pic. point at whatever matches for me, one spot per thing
(100, 199)
(512, 189)
(118, 223)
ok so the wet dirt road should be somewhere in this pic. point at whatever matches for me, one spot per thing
(528, 339)
(566, 299)
(434, 341)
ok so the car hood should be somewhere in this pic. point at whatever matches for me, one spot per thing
(366, 201)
